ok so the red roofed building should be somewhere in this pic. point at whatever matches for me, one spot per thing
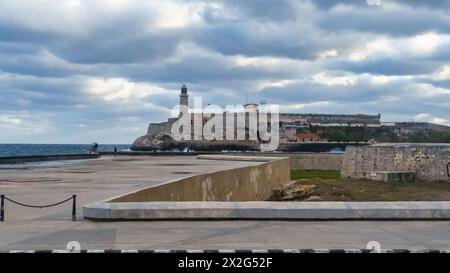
(307, 137)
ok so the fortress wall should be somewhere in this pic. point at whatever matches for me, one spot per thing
(330, 118)
(428, 162)
(155, 128)
(415, 127)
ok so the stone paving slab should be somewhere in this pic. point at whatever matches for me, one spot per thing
(132, 235)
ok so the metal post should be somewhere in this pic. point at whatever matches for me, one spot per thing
(2, 208)
(74, 207)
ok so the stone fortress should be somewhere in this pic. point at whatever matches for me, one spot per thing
(296, 130)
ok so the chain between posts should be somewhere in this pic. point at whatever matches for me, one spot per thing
(3, 198)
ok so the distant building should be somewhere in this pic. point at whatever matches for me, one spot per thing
(250, 107)
(307, 137)
(293, 127)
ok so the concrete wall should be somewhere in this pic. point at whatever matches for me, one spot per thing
(241, 184)
(328, 162)
(298, 161)
(309, 161)
(428, 162)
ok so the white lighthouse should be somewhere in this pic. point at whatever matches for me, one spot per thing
(184, 101)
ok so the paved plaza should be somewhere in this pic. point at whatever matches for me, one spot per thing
(93, 180)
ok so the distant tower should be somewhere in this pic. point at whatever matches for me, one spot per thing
(184, 102)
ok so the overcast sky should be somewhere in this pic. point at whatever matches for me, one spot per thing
(78, 71)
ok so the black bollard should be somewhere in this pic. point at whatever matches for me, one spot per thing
(448, 169)
(74, 207)
(2, 208)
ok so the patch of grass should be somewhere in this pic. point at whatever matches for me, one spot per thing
(310, 174)
(367, 190)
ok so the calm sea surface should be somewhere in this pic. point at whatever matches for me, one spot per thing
(54, 149)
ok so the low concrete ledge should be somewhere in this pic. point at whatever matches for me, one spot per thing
(39, 158)
(239, 158)
(267, 210)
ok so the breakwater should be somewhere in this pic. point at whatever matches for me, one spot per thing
(38, 158)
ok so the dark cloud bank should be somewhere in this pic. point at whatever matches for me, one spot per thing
(78, 71)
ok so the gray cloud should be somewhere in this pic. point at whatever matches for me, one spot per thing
(104, 71)
(387, 66)
(433, 4)
(401, 21)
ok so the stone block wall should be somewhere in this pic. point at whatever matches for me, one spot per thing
(428, 162)
(318, 161)
(330, 118)
(158, 128)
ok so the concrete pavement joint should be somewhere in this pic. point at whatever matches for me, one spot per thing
(231, 251)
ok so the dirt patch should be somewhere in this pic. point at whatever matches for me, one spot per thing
(365, 190)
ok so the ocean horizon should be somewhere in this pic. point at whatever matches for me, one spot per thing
(23, 149)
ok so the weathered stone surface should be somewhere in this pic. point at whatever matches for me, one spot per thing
(314, 198)
(428, 162)
(298, 192)
(316, 161)
(161, 140)
(391, 176)
(249, 183)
